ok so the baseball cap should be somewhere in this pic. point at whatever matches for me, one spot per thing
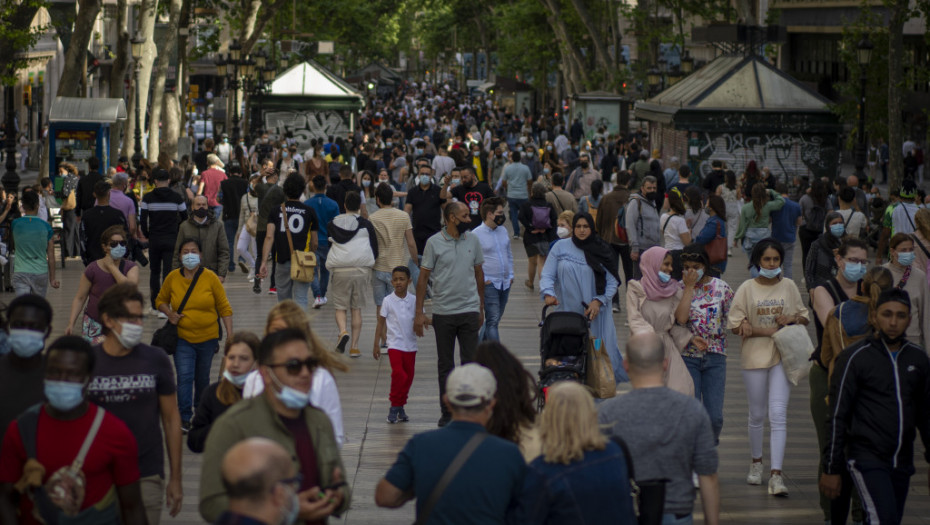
(470, 385)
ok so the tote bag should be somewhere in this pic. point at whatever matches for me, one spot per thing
(600, 371)
(795, 347)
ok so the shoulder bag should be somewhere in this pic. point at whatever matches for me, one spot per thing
(648, 497)
(166, 337)
(302, 263)
(716, 248)
(451, 471)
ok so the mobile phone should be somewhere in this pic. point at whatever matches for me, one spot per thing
(335, 486)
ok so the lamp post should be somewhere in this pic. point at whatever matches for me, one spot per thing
(687, 63)
(10, 178)
(863, 55)
(137, 45)
(653, 77)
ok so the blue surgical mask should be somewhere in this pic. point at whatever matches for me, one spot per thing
(64, 395)
(366, 183)
(26, 343)
(291, 397)
(238, 380)
(190, 260)
(770, 274)
(854, 271)
(425, 179)
(905, 258)
(837, 230)
(419, 152)
(455, 182)
(664, 277)
(119, 252)
(700, 273)
(290, 516)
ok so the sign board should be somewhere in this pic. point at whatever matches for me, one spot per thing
(325, 47)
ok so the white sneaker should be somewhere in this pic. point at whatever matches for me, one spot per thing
(318, 302)
(777, 486)
(325, 300)
(755, 474)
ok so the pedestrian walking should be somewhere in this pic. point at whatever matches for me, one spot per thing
(34, 263)
(539, 230)
(912, 280)
(28, 322)
(161, 213)
(642, 222)
(497, 266)
(395, 326)
(207, 229)
(326, 210)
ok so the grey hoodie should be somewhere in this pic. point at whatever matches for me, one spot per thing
(642, 224)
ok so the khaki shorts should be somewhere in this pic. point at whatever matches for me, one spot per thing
(348, 288)
(153, 497)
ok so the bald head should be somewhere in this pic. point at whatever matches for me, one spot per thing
(645, 353)
(252, 467)
(452, 208)
(852, 181)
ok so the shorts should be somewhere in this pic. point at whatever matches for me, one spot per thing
(381, 285)
(537, 248)
(347, 288)
(26, 283)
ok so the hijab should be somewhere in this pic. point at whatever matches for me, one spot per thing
(649, 264)
(599, 256)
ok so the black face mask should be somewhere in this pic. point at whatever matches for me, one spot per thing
(651, 195)
(499, 220)
(463, 227)
(200, 213)
(584, 164)
(891, 342)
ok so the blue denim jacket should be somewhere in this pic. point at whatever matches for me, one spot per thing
(595, 490)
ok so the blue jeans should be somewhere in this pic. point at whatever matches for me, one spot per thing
(494, 303)
(320, 273)
(787, 266)
(192, 363)
(381, 286)
(289, 289)
(709, 373)
(670, 519)
(514, 205)
(231, 225)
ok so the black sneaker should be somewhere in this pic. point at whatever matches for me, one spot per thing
(343, 341)
(402, 416)
(444, 420)
(392, 415)
(257, 285)
(185, 427)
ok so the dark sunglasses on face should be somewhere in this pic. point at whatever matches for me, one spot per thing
(294, 366)
(114, 244)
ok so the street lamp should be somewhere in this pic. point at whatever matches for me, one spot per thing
(687, 63)
(653, 76)
(137, 45)
(863, 55)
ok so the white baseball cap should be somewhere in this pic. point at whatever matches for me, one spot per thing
(470, 385)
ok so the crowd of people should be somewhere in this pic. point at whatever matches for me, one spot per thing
(410, 212)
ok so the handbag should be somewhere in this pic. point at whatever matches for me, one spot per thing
(302, 263)
(166, 337)
(251, 224)
(70, 202)
(648, 495)
(717, 248)
(457, 463)
(600, 375)
(795, 348)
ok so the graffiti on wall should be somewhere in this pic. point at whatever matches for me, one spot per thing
(308, 124)
(791, 154)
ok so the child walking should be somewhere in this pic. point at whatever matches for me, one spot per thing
(397, 313)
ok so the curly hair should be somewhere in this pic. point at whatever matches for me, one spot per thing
(516, 391)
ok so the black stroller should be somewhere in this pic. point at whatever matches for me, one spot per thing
(563, 344)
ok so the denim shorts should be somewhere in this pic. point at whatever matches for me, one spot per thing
(381, 286)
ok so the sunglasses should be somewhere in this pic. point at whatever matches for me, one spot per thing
(294, 366)
(114, 244)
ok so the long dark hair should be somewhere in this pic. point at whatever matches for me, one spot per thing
(819, 192)
(731, 179)
(755, 258)
(758, 198)
(597, 187)
(516, 391)
(693, 198)
(719, 207)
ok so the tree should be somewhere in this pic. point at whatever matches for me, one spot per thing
(167, 46)
(76, 55)
(118, 71)
(17, 35)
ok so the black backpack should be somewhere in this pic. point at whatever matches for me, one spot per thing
(815, 219)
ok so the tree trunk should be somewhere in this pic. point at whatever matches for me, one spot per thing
(172, 125)
(161, 74)
(600, 50)
(255, 20)
(575, 59)
(184, 82)
(118, 74)
(895, 74)
(146, 29)
(70, 81)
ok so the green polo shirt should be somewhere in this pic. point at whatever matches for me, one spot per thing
(31, 235)
(452, 263)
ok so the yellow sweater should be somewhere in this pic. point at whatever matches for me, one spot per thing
(207, 303)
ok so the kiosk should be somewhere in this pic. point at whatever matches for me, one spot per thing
(78, 129)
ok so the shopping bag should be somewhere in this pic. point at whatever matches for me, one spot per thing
(600, 371)
(795, 347)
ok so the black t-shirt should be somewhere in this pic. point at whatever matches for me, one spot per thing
(93, 223)
(233, 188)
(426, 213)
(338, 191)
(473, 197)
(301, 220)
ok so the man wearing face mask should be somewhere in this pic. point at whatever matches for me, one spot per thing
(204, 227)
(224, 149)
(55, 432)
(642, 222)
(136, 383)
(497, 266)
(261, 483)
(162, 210)
(281, 414)
(579, 182)
(28, 323)
(465, 187)
(424, 204)
(453, 255)
(878, 401)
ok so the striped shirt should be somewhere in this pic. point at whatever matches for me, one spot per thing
(391, 226)
(162, 212)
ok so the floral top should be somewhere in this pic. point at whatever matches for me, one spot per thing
(709, 308)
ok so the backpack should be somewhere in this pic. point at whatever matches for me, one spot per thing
(541, 219)
(815, 219)
(620, 226)
(334, 168)
(592, 210)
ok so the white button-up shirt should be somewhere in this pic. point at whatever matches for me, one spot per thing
(498, 257)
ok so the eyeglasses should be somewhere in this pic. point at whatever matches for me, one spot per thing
(114, 244)
(294, 366)
(860, 261)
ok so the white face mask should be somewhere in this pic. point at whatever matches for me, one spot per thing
(131, 335)
(563, 232)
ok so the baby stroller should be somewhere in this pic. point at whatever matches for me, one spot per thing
(563, 343)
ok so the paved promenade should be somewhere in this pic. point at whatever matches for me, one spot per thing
(372, 443)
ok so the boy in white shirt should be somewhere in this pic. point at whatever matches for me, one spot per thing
(397, 314)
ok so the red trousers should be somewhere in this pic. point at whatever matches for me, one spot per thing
(402, 365)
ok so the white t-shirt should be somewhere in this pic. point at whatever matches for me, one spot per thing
(398, 314)
(673, 226)
(854, 224)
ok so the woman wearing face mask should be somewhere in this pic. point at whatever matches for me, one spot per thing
(198, 328)
(317, 165)
(580, 275)
(97, 278)
(538, 219)
(821, 262)
(760, 308)
(716, 224)
(384, 177)
(248, 207)
(366, 183)
(674, 228)
(912, 280)
(563, 228)
(323, 391)
(239, 358)
(704, 306)
(651, 302)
